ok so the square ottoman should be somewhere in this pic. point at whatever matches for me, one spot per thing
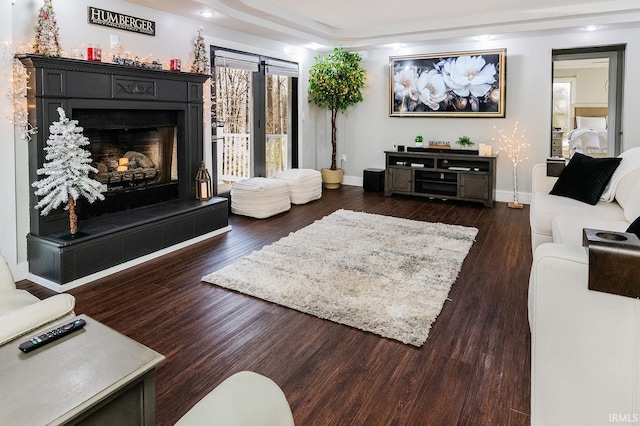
(304, 184)
(260, 197)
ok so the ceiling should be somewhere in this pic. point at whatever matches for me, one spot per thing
(371, 23)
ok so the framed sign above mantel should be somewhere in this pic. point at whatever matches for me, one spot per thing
(119, 21)
(462, 84)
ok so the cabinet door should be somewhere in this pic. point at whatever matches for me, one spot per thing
(400, 179)
(474, 185)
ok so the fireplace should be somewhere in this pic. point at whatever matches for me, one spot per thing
(136, 155)
(145, 129)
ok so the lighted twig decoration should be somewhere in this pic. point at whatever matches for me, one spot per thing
(19, 99)
(17, 91)
(513, 145)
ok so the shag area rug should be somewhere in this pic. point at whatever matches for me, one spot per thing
(381, 274)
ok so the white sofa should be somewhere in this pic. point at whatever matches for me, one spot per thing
(22, 313)
(585, 345)
(616, 214)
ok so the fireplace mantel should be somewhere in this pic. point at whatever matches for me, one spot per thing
(78, 85)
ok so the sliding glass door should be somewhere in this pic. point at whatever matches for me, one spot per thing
(255, 112)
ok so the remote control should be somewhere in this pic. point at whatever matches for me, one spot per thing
(51, 335)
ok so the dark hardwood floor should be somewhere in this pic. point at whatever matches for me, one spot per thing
(474, 368)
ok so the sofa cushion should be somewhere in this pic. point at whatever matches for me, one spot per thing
(632, 204)
(585, 178)
(12, 300)
(544, 207)
(568, 229)
(634, 228)
(628, 170)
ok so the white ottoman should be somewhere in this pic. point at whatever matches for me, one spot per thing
(260, 197)
(304, 184)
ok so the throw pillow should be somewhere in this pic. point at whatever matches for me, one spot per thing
(634, 228)
(585, 178)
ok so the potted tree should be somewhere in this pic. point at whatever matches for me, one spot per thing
(335, 82)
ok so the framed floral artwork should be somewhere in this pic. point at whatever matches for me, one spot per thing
(463, 84)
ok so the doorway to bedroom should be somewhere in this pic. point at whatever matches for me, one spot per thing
(587, 89)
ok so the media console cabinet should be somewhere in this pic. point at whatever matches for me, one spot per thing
(454, 176)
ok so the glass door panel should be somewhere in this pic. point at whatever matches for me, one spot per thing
(277, 98)
(234, 111)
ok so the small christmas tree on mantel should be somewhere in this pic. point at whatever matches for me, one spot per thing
(200, 63)
(67, 166)
(47, 42)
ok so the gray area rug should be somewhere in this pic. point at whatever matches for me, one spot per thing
(381, 274)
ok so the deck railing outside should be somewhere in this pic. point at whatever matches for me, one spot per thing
(234, 156)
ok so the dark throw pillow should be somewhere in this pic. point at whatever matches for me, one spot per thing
(585, 178)
(634, 228)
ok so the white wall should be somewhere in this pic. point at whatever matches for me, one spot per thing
(8, 246)
(366, 130)
(591, 87)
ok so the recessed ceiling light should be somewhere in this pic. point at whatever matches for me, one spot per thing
(206, 13)
(313, 46)
(396, 45)
(484, 37)
(591, 27)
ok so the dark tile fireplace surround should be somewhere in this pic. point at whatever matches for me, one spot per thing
(153, 117)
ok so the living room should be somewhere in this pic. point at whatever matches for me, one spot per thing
(365, 132)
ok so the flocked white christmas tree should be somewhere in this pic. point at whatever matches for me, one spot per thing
(67, 167)
(200, 63)
(47, 42)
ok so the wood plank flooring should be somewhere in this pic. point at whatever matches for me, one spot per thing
(474, 368)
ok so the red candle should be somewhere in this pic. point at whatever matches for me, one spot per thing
(94, 53)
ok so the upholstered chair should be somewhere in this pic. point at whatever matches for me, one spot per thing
(22, 313)
(244, 399)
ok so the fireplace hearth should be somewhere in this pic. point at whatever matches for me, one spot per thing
(145, 143)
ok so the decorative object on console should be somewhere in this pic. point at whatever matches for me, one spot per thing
(465, 142)
(463, 84)
(336, 82)
(513, 145)
(418, 140)
(485, 150)
(67, 168)
(203, 183)
(614, 261)
(439, 145)
(585, 178)
(47, 42)
(200, 63)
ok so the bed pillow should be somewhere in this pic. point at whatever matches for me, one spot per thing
(591, 122)
(585, 178)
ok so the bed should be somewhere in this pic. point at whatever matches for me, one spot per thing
(590, 134)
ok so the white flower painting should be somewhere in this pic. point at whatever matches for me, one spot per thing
(470, 84)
